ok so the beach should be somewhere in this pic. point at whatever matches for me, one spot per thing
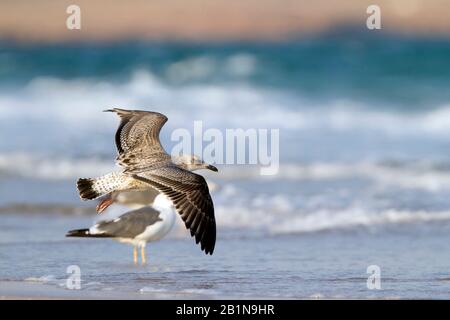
(323, 265)
(363, 179)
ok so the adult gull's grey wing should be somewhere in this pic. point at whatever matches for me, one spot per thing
(137, 138)
(129, 224)
(190, 194)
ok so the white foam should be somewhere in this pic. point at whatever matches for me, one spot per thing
(355, 217)
(34, 166)
(205, 67)
(193, 68)
(188, 291)
(408, 177)
(43, 279)
(78, 102)
(299, 221)
(200, 291)
(152, 290)
(421, 176)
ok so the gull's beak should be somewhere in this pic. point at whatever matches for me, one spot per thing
(212, 168)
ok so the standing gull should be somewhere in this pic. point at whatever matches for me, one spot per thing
(137, 227)
(145, 164)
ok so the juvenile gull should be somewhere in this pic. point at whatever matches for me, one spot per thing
(137, 227)
(147, 165)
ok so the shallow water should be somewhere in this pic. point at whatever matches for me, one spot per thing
(413, 260)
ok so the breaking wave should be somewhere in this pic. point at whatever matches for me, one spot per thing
(428, 176)
(322, 220)
(77, 102)
(34, 166)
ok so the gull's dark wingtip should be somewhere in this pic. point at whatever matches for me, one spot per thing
(78, 233)
(208, 242)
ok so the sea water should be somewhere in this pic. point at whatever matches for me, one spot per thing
(364, 173)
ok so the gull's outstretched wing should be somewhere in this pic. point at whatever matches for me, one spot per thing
(137, 138)
(190, 194)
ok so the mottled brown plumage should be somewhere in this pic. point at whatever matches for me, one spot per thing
(191, 199)
(137, 139)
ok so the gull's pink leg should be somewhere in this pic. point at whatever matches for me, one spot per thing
(104, 204)
(135, 255)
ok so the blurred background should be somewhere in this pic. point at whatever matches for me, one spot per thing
(364, 119)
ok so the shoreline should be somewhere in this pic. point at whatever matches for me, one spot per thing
(29, 290)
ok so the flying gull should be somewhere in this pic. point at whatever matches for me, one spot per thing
(137, 227)
(146, 165)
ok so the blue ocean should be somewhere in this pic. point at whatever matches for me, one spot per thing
(364, 177)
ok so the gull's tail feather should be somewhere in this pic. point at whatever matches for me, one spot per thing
(93, 188)
(86, 189)
(85, 233)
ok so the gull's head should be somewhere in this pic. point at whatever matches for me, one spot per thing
(192, 162)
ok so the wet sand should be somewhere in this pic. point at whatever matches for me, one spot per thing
(25, 290)
(35, 255)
